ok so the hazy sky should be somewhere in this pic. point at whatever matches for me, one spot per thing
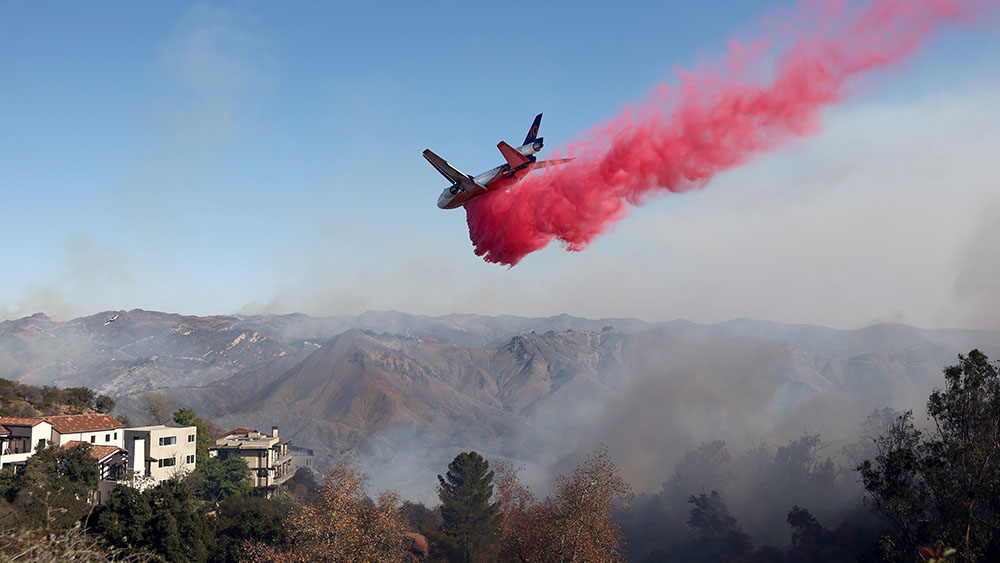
(264, 157)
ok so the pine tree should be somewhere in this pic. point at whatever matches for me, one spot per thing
(471, 523)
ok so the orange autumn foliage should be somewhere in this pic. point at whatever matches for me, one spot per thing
(341, 526)
(573, 524)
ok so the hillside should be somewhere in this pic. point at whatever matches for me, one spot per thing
(23, 400)
(413, 390)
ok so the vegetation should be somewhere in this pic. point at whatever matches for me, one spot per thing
(206, 431)
(303, 486)
(165, 519)
(216, 479)
(18, 545)
(156, 406)
(53, 490)
(470, 523)
(945, 485)
(213, 479)
(242, 520)
(104, 404)
(573, 524)
(22, 400)
(936, 491)
(342, 525)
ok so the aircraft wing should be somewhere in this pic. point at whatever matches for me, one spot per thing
(514, 158)
(554, 162)
(448, 171)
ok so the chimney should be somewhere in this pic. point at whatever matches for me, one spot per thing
(274, 431)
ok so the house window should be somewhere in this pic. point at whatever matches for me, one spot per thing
(93, 439)
(190, 437)
(116, 435)
(189, 459)
(107, 437)
(168, 440)
(168, 462)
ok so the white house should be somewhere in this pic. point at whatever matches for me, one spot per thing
(159, 452)
(19, 438)
(95, 429)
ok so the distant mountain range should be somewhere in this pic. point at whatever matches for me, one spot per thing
(388, 386)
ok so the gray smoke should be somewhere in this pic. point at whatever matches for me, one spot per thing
(977, 283)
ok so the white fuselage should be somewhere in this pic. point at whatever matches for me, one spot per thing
(495, 178)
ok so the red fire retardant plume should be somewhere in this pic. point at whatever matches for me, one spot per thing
(719, 117)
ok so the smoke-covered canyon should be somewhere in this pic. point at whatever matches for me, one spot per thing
(683, 408)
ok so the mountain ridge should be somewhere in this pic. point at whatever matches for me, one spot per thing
(387, 386)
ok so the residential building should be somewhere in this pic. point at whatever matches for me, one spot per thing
(136, 456)
(269, 456)
(95, 429)
(112, 465)
(19, 437)
(160, 452)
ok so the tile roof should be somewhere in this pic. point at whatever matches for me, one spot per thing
(70, 423)
(20, 421)
(96, 452)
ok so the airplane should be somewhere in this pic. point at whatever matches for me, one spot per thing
(111, 320)
(520, 161)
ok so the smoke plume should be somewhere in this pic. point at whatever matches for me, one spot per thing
(718, 117)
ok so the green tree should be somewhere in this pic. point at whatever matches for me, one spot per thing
(179, 529)
(166, 520)
(470, 529)
(704, 468)
(243, 519)
(104, 404)
(203, 441)
(218, 479)
(79, 398)
(715, 534)
(55, 486)
(302, 485)
(944, 486)
(50, 398)
(122, 521)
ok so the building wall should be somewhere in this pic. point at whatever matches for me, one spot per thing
(104, 489)
(162, 444)
(256, 459)
(109, 470)
(23, 442)
(113, 437)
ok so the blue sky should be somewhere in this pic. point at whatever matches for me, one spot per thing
(260, 157)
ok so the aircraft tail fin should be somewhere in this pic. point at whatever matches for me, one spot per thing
(533, 132)
(514, 158)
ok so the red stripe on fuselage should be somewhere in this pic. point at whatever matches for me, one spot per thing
(499, 182)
